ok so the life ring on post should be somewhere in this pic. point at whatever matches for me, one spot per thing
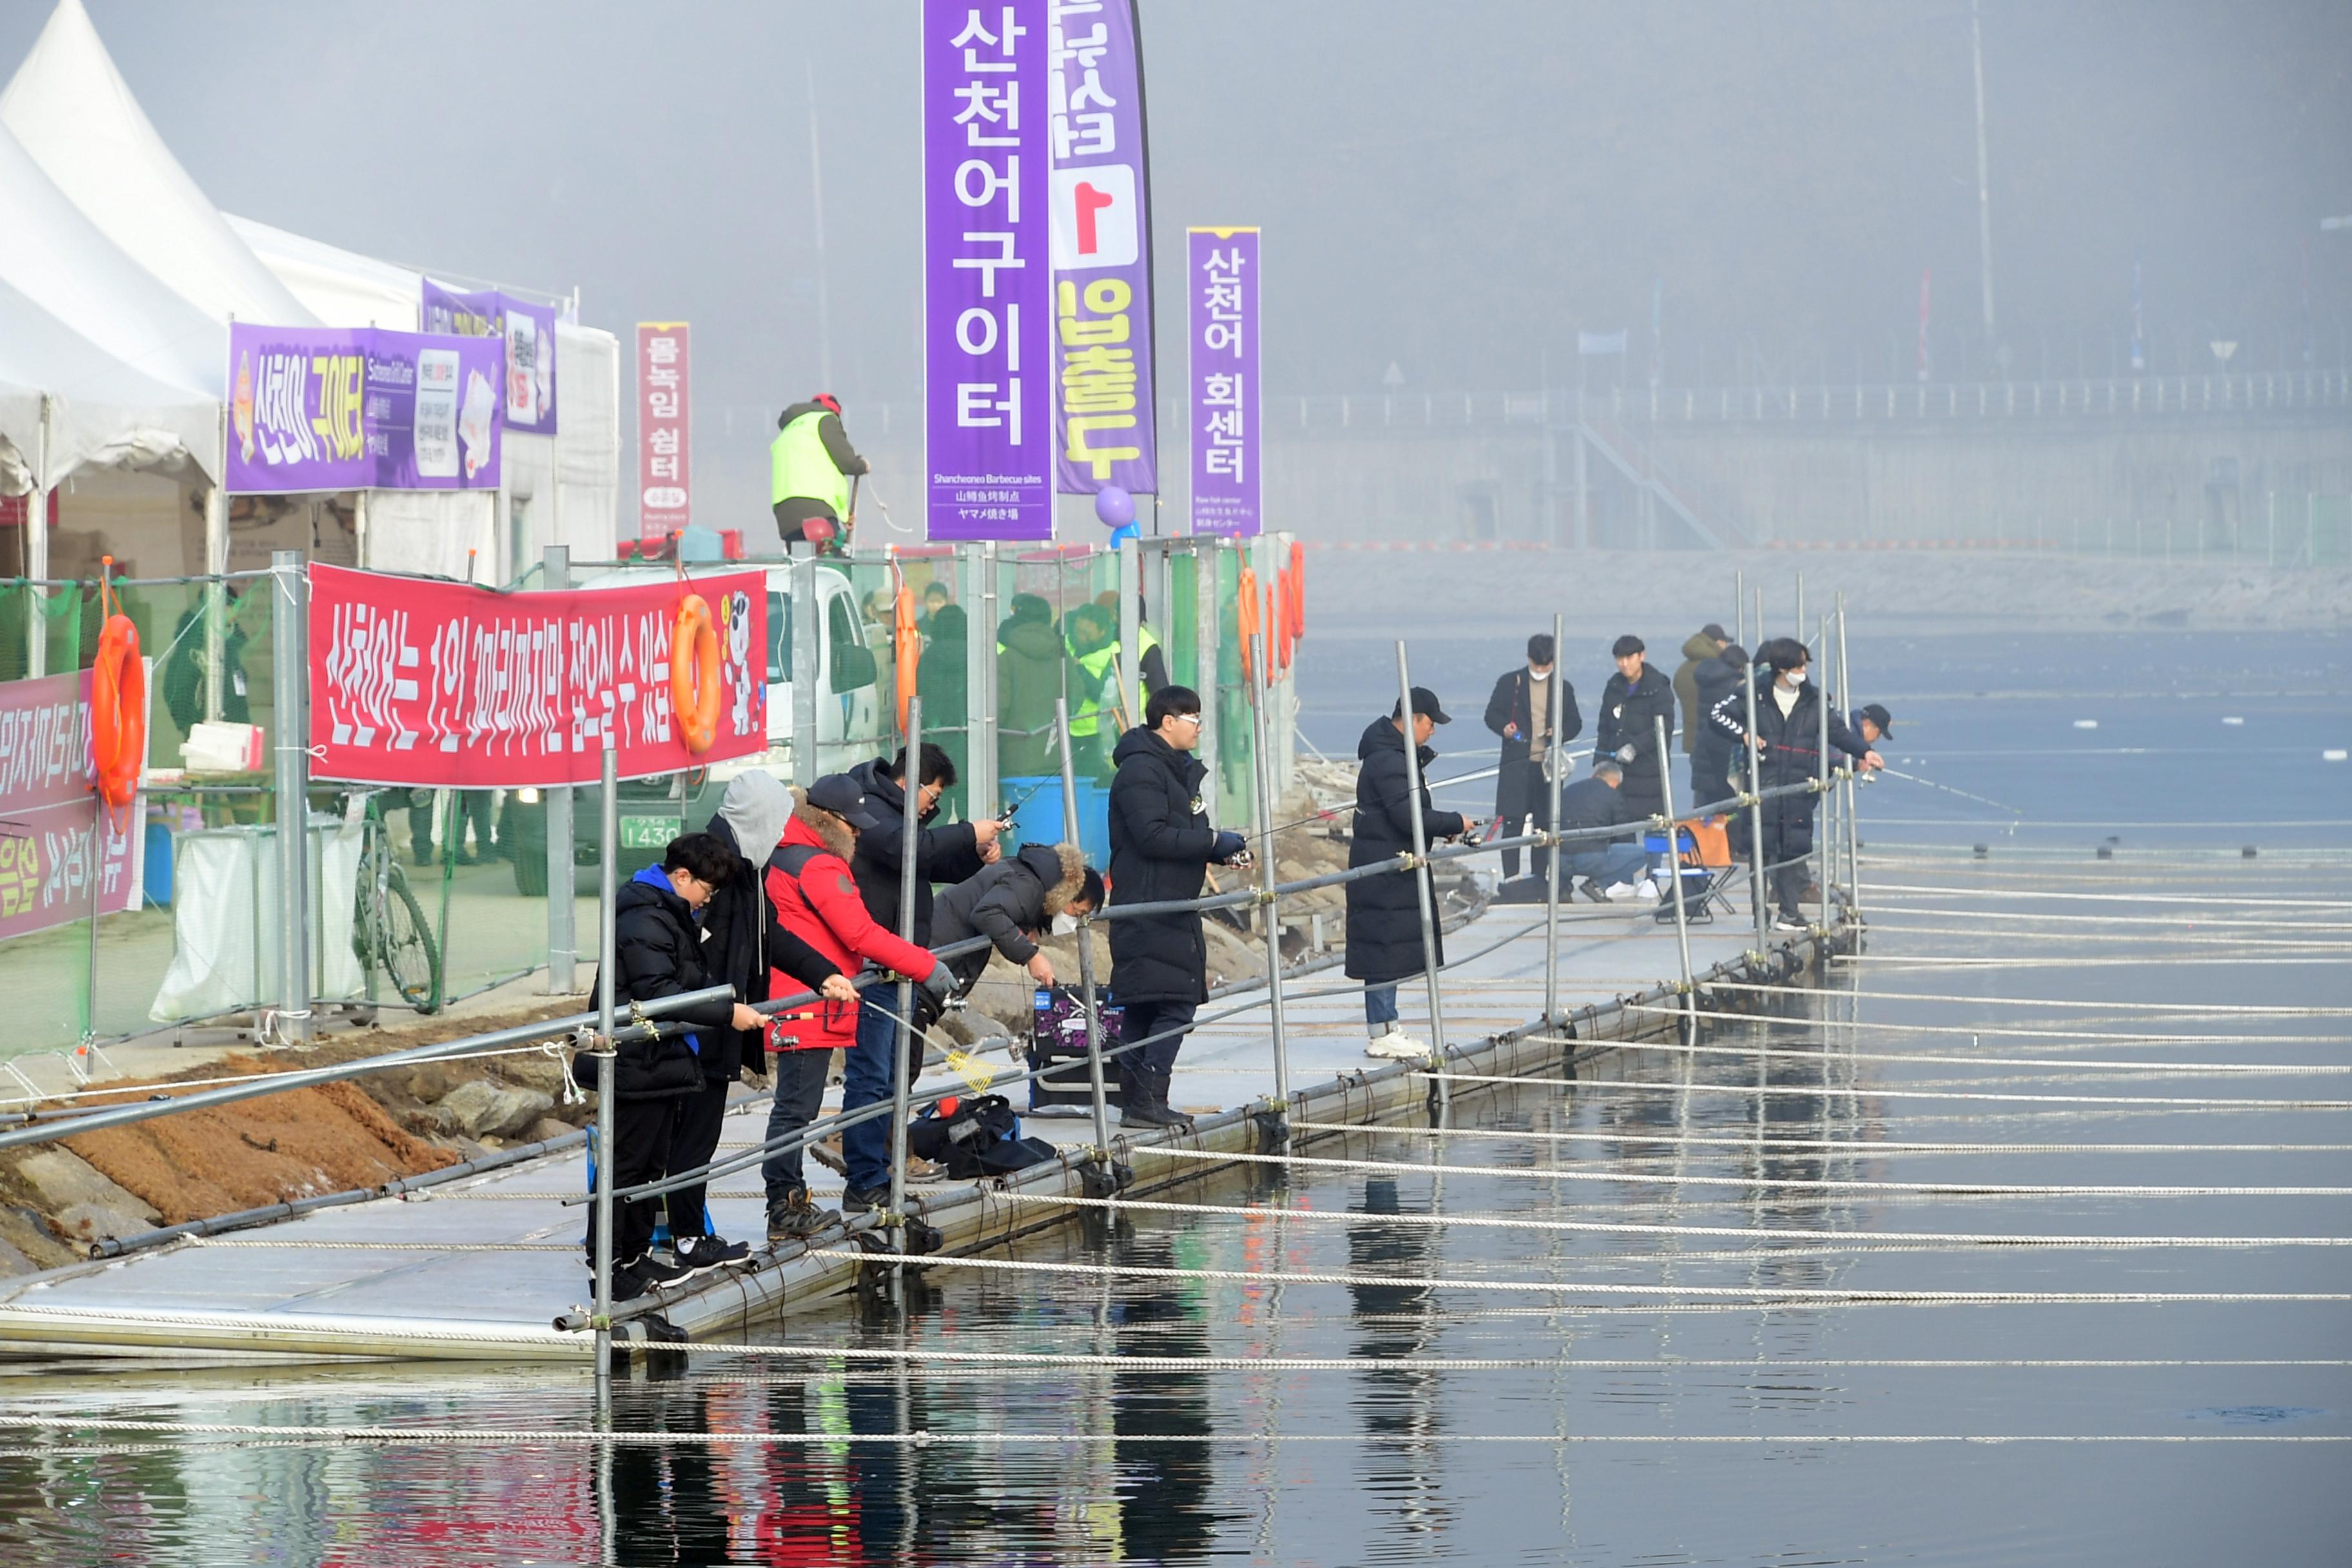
(118, 711)
(694, 674)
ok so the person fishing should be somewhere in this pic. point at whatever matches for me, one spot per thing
(1384, 934)
(1519, 712)
(1635, 696)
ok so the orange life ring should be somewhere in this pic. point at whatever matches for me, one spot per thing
(118, 711)
(694, 675)
(906, 649)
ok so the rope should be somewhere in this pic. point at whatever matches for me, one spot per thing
(1973, 1031)
(1845, 1145)
(1954, 1189)
(1877, 907)
(194, 1240)
(1744, 1293)
(2202, 1008)
(1896, 923)
(2288, 1068)
(1818, 1092)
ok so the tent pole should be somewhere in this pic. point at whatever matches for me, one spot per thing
(37, 556)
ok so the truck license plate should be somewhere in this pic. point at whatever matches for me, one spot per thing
(647, 832)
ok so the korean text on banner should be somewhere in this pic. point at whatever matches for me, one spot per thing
(528, 330)
(442, 685)
(664, 438)
(988, 294)
(329, 408)
(1221, 279)
(48, 815)
(1102, 251)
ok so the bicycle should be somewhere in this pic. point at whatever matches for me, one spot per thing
(389, 931)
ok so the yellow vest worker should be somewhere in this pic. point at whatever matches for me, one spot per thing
(810, 465)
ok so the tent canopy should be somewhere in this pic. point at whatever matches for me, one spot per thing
(102, 413)
(341, 287)
(73, 113)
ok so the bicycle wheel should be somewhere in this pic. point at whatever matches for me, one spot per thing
(409, 956)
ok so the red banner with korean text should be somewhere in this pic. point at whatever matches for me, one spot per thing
(50, 818)
(447, 685)
(665, 433)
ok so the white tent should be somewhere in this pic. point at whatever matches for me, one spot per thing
(73, 113)
(341, 287)
(102, 413)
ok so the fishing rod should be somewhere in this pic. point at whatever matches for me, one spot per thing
(1947, 789)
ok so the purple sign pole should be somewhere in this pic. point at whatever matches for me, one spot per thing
(1102, 252)
(1220, 285)
(988, 294)
(329, 408)
(529, 332)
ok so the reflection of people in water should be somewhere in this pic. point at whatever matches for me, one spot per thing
(666, 1503)
(1397, 1321)
(1164, 1487)
(856, 1502)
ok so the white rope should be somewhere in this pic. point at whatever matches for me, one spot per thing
(1878, 910)
(2288, 1070)
(925, 1355)
(2204, 1008)
(1745, 1293)
(1840, 1145)
(1859, 1241)
(1951, 1189)
(1898, 923)
(2159, 960)
(2251, 902)
(385, 1246)
(1819, 1092)
(1972, 1030)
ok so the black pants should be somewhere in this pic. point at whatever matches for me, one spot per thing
(1521, 791)
(799, 1077)
(693, 1139)
(1710, 780)
(1787, 841)
(1148, 1069)
(640, 1134)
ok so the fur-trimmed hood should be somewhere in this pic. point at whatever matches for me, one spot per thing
(1062, 867)
(836, 835)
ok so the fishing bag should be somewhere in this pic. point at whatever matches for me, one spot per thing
(975, 1136)
(1057, 1046)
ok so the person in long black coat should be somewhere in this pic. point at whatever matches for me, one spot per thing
(1635, 698)
(1787, 750)
(1384, 936)
(1160, 849)
(1710, 748)
(1519, 712)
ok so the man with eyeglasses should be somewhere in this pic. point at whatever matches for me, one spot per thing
(1161, 846)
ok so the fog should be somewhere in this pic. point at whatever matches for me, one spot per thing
(1453, 190)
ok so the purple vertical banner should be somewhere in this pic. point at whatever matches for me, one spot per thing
(987, 282)
(1102, 252)
(1220, 284)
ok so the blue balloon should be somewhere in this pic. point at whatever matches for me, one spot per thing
(1114, 508)
(1124, 532)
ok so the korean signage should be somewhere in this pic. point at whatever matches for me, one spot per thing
(50, 821)
(448, 686)
(528, 328)
(1102, 251)
(664, 438)
(329, 409)
(988, 283)
(1221, 280)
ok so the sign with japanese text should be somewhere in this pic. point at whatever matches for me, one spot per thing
(987, 282)
(1102, 251)
(664, 438)
(329, 409)
(1221, 281)
(444, 685)
(528, 330)
(52, 827)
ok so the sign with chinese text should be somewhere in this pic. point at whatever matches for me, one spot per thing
(50, 818)
(664, 438)
(988, 282)
(1102, 251)
(331, 408)
(1221, 281)
(444, 685)
(527, 328)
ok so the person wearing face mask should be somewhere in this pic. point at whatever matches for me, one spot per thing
(1786, 750)
(1519, 710)
(1635, 699)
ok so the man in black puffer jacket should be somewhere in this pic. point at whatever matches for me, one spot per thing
(657, 953)
(1635, 698)
(1710, 748)
(1787, 750)
(1384, 912)
(1012, 903)
(1160, 849)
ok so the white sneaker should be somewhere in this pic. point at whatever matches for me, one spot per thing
(1396, 1046)
(1618, 892)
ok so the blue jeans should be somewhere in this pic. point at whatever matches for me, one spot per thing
(1380, 1005)
(867, 1078)
(1609, 865)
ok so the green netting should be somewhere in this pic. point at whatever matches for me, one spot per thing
(50, 616)
(1236, 758)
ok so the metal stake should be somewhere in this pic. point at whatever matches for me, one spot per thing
(1269, 909)
(1421, 884)
(288, 671)
(608, 892)
(1552, 770)
(1754, 788)
(1087, 995)
(1821, 769)
(563, 932)
(902, 1071)
(1674, 871)
(1739, 608)
(808, 624)
(1853, 798)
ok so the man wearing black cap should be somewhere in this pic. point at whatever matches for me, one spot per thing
(1519, 710)
(1704, 647)
(1635, 699)
(1872, 722)
(1384, 912)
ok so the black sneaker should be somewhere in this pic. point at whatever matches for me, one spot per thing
(794, 1218)
(1592, 889)
(1151, 1113)
(696, 1253)
(1790, 923)
(860, 1200)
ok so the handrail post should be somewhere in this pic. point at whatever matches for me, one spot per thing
(1754, 788)
(562, 933)
(1269, 908)
(287, 659)
(1553, 769)
(1821, 769)
(608, 891)
(1853, 798)
(1675, 873)
(1423, 889)
(1087, 992)
(902, 1071)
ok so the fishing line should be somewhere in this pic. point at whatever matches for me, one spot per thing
(2207, 1008)
(1841, 1145)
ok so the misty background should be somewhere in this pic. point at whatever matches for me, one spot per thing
(1452, 190)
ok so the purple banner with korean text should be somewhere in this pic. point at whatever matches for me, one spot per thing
(1220, 286)
(329, 408)
(528, 330)
(1102, 252)
(988, 294)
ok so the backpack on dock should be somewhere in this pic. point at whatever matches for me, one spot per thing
(975, 1136)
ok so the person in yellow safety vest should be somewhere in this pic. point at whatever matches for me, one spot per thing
(810, 465)
(1151, 663)
(1094, 648)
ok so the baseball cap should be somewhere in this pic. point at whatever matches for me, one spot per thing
(1877, 714)
(1424, 701)
(839, 794)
